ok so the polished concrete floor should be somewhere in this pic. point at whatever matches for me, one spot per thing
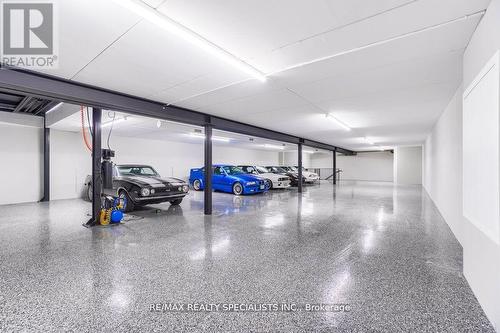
(384, 252)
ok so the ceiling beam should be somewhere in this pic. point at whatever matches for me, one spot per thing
(53, 88)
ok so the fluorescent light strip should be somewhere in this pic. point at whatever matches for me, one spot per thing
(273, 146)
(338, 122)
(385, 41)
(113, 122)
(308, 151)
(55, 107)
(154, 16)
(214, 138)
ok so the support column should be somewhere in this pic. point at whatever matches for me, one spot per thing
(207, 181)
(335, 167)
(96, 166)
(299, 187)
(46, 161)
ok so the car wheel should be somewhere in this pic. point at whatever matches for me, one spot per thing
(269, 184)
(90, 193)
(176, 202)
(129, 204)
(237, 189)
(197, 185)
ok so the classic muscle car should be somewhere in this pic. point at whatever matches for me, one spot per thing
(274, 180)
(228, 178)
(310, 177)
(142, 185)
(294, 177)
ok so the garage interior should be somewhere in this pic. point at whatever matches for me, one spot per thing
(383, 116)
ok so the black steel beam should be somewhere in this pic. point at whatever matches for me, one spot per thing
(46, 162)
(207, 181)
(96, 167)
(334, 167)
(22, 104)
(25, 82)
(299, 162)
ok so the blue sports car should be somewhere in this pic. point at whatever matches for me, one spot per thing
(229, 178)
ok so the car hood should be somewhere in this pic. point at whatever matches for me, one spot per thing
(248, 177)
(151, 181)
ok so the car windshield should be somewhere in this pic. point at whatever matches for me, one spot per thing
(293, 168)
(232, 170)
(136, 171)
(277, 169)
(261, 169)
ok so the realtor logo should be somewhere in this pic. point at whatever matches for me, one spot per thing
(28, 34)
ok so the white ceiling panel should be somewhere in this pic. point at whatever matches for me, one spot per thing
(149, 62)
(85, 29)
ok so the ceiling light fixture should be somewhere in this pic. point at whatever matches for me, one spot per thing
(214, 138)
(55, 107)
(338, 122)
(154, 16)
(113, 122)
(308, 151)
(273, 146)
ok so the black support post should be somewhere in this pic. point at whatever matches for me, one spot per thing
(208, 171)
(334, 167)
(46, 161)
(299, 186)
(96, 166)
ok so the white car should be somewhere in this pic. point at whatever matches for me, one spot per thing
(309, 177)
(276, 181)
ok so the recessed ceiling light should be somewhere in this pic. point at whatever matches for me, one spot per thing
(338, 122)
(214, 138)
(274, 146)
(113, 122)
(164, 22)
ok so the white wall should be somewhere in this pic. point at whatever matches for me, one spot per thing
(372, 166)
(408, 165)
(443, 174)
(21, 167)
(290, 158)
(70, 163)
(443, 165)
(481, 253)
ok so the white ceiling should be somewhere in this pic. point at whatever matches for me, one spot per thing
(392, 93)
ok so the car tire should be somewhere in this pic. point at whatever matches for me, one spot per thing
(237, 189)
(270, 184)
(129, 206)
(89, 192)
(197, 185)
(176, 202)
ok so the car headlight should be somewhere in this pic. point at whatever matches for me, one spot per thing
(145, 192)
(185, 188)
(251, 183)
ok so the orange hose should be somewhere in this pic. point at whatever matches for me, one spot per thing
(89, 146)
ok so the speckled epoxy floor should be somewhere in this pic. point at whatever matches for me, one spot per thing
(383, 250)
